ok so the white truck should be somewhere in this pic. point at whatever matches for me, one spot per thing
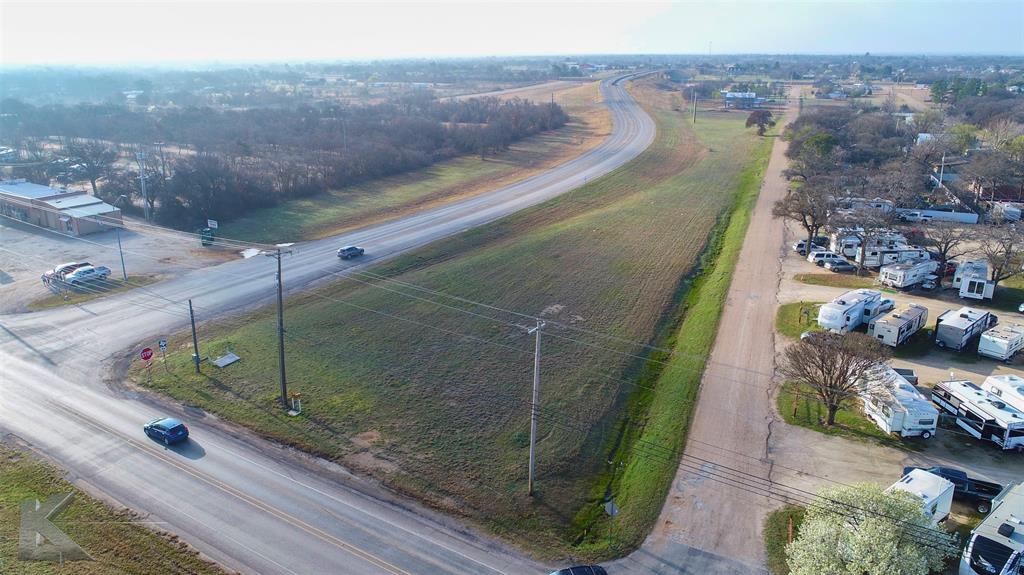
(954, 329)
(896, 406)
(851, 309)
(1002, 341)
(971, 279)
(895, 328)
(935, 493)
(874, 257)
(907, 274)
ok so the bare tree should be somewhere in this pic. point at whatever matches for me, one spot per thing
(832, 367)
(810, 205)
(96, 159)
(949, 239)
(1003, 248)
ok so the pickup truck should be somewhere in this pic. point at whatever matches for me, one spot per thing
(977, 493)
(86, 274)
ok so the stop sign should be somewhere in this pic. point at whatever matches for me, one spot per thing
(146, 353)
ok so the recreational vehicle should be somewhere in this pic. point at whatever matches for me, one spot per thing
(981, 414)
(896, 406)
(971, 278)
(907, 274)
(954, 329)
(933, 492)
(874, 257)
(895, 328)
(847, 242)
(1001, 342)
(1009, 388)
(851, 309)
(996, 545)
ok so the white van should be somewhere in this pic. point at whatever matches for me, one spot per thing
(821, 257)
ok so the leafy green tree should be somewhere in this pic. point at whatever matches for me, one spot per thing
(762, 119)
(939, 88)
(962, 137)
(862, 530)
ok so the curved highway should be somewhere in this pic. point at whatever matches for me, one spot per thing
(245, 502)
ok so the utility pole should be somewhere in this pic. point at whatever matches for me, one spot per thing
(140, 157)
(280, 322)
(942, 170)
(534, 406)
(124, 272)
(694, 104)
(163, 160)
(195, 339)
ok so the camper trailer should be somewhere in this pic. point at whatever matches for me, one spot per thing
(896, 406)
(851, 309)
(1001, 342)
(874, 257)
(954, 329)
(935, 493)
(897, 327)
(971, 278)
(907, 274)
(847, 241)
(996, 545)
(980, 413)
(1009, 388)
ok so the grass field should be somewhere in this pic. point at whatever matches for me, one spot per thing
(99, 289)
(361, 204)
(792, 319)
(797, 406)
(116, 540)
(836, 280)
(777, 533)
(436, 403)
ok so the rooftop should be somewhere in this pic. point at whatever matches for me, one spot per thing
(30, 191)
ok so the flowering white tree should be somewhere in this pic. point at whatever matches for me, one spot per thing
(862, 530)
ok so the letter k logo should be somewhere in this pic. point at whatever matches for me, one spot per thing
(40, 540)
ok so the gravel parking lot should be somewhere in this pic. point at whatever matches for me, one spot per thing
(26, 252)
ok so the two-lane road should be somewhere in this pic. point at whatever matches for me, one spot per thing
(243, 501)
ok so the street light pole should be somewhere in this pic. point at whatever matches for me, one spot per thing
(534, 406)
(195, 338)
(280, 323)
(140, 157)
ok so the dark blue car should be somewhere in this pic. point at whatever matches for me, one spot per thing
(166, 429)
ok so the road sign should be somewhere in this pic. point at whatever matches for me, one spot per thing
(212, 224)
(163, 344)
(146, 353)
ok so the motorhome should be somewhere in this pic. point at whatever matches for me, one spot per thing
(894, 329)
(971, 278)
(1009, 388)
(933, 492)
(907, 274)
(980, 413)
(847, 241)
(954, 329)
(874, 257)
(996, 545)
(849, 310)
(1002, 341)
(896, 406)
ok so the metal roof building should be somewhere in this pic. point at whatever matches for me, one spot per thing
(68, 212)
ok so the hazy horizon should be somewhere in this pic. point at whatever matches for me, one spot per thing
(159, 34)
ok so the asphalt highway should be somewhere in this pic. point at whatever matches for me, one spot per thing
(244, 502)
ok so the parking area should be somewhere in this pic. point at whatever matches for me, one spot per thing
(26, 252)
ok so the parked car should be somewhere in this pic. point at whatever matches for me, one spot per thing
(349, 252)
(821, 257)
(86, 274)
(582, 570)
(167, 430)
(840, 266)
(975, 492)
(820, 242)
(885, 305)
(915, 217)
(60, 271)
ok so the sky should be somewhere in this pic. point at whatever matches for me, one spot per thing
(109, 33)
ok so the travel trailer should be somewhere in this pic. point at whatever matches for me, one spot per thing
(897, 327)
(847, 242)
(875, 257)
(981, 414)
(954, 329)
(934, 493)
(896, 406)
(1002, 341)
(971, 278)
(907, 274)
(996, 545)
(851, 309)
(1009, 388)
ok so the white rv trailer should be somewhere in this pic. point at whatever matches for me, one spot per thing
(896, 406)
(895, 328)
(971, 278)
(907, 274)
(874, 257)
(981, 414)
(996, 545)
(849, 310)
(1002, 341)
(1009, 388)
(846, 241)
(954, 329)
(933, 492)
